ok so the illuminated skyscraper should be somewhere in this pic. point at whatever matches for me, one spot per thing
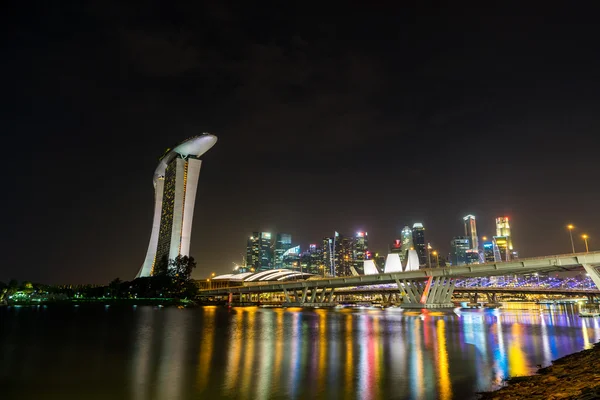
(328, 256)
(259, 254)
(407, 242)
(253, 251)
(282, 243)
(175, 183)
(418, 235)
(471, 231)
(502, 247)
(359, 250)
(458, 250)
(266, 251)
(488, 252)
(343, 255)
(503, 229)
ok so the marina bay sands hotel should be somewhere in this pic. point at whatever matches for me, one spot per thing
(175, 183)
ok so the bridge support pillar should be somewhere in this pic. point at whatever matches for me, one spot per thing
(432, 293)
(593, 273)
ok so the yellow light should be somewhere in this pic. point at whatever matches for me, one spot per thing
(434, 253)
(584, 236)
(570, 227)
(484, 238)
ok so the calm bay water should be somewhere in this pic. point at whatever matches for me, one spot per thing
(139, 353)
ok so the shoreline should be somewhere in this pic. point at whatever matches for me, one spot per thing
(575, 376)
(139, 301)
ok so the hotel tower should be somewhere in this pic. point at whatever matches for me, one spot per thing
(175, 182)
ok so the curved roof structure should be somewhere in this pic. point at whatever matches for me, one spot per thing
(263, 276)
(194, 146)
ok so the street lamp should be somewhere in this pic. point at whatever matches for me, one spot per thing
(570, 228)
(585, 238)
(437, 259)
(429, 254)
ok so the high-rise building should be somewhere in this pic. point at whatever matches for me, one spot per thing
(503, 229)
(458, 250)
(359, 250)
(282, 243)
(175, 183)
(291, 258)
(253, 251)
(316, 255)
(266, 251)
(471, 231)
(418, 235)
(343, 255)
(471, 256)
(328, 256)
(259, 252)
(502, 246)
(396, 247)
(407, 242)
(488, 251)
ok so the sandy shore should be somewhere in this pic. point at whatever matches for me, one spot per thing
(576, 376)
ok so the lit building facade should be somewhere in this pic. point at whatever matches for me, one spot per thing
(418, 235)
(343, 255)
(502, 247)
(259, 253)
(175, 184)
(253, 251)
(488, 252)
(503, 230)
(266, 251)
(327, 256)
(406, 237)
(282, 243)
(471, 231)
(360, 247)
(458, 250)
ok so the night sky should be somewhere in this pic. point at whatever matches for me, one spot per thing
(355, 118)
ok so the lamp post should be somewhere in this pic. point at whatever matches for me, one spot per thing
(570, 228)
(585, 239)
(429, 254)
(437, 259)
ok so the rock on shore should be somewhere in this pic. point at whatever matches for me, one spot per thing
(576, 376)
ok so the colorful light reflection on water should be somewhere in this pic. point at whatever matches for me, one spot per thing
(252, 353)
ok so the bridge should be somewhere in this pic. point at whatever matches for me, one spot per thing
(423, 288)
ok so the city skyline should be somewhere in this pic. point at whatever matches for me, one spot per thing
(364, 120)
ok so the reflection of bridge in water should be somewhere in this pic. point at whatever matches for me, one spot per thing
(423, 288)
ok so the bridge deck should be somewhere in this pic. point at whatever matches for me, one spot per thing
(522, 266)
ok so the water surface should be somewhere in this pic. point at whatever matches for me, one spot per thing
(143, 352)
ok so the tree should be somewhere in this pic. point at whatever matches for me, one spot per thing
(162, 267)
(115, 286)
(182, 267)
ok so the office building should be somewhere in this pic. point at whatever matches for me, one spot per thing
(407, 242)
(502, 247)
(291, 258)
(458, 250)
(488, 252)
(503, 230)
(283, 242)
(266, 251)
(259, 251)
(343, 255)
(175, 184)
(418, 236)
(471, 231)
(359, 250)
(253, 251)
(328, 256)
